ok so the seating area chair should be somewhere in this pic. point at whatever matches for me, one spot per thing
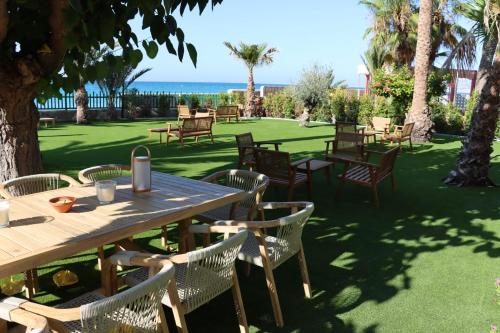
(246, 144)
(34, 184)
(281, 171)
(226, 111)
(370, 174)
(11, 314)
(138, 309)
(377, 126)
(345, 127)
(26, 185)
(400, 134)
(200, 276)
(345, 146)
(191, 127)
(183, 112)
(270, 251)
(253, 183)
(99, 172)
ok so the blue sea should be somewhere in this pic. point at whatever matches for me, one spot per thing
(184, 87)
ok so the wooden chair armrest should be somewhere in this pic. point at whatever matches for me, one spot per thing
(294, 206)
(12, 311)
(258, 143)
(295, 164)
(367, 164)
(52, 313)
(135, 258)
(213, 229)
(71, 181)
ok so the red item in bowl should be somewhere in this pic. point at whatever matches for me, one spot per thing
(62, 204)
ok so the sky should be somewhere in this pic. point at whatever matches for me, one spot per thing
(327, 32)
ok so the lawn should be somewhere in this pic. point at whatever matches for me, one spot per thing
(426, 261)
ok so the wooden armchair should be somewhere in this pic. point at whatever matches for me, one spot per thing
(107, 171)
(400, 134)
(378, 126)
(369, 174)
(200, 276)
(246, 144)
(137, 309)
(345, 146)
(183, 112)
(345, 127)
(281, 171)
(253, 183)
(270, 251)
(28, 185)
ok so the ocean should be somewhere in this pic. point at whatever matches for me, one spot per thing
(184, 87)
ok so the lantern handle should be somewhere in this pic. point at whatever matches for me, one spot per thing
(141, 146)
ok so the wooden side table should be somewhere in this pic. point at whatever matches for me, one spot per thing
(316, 165)
(47, 120)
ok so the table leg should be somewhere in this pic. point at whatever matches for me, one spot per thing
(186, 239)
(327, 174)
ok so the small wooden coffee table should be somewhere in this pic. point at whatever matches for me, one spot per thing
(316, 165)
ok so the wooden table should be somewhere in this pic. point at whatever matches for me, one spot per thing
(38, 234)
(316, 165)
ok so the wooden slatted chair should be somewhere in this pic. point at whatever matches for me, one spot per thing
(345, 127)
(191, 127)
(281, 171)
(107, 171)
(183, 112)
(400, 134)
(138, 309)
(200, 276)
(245, 144)
(28, 185)
(377, 126)
(270, 251)
(345, 146)
(369, 174)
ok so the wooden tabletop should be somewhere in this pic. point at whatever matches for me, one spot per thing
(38, 234)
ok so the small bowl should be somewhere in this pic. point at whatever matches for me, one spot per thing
(62, 204)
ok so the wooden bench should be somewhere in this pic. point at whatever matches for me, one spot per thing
(191, 127)
(47, 120)
(226, 111)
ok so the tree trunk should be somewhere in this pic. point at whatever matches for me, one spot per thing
(19, 149)
(112, 114)
(82, 108)
(487, 57)
(420, 113)
(304, 118)
(250, 102)
(474, 158)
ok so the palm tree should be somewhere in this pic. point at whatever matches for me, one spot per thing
(252, 55)
(118, 80)
(420, 113)
(81, 97)
(474, 158)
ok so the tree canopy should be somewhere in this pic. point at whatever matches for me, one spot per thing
(39, 38)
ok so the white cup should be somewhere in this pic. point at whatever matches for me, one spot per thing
(105, 190)
(4, 213)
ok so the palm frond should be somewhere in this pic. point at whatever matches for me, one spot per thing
(129, 80)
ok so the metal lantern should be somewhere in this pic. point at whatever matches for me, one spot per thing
(141, 171)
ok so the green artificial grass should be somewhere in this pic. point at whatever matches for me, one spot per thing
(425, 261)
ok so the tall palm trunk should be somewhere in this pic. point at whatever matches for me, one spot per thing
(474, 158)
(487, 57)
(250, 102)
(112, 114)
(82, 107)
(420, 113)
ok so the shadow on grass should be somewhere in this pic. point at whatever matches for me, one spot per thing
(356, 253)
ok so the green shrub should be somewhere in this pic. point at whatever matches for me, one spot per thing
(338, 104)
(280, 105)
(438, 114)
(163, 105)
(366, 109)
(469, 108)
(351, 107)
(447, 118)
(195, 101)
(223, 99)
(182, 100)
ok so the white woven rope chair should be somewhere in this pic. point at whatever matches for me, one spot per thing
(26, 185)
(10, 312)
(34, 184)
(200, 276)
(253, 183)
(99, 172)
(268, 252)
(137, 309)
